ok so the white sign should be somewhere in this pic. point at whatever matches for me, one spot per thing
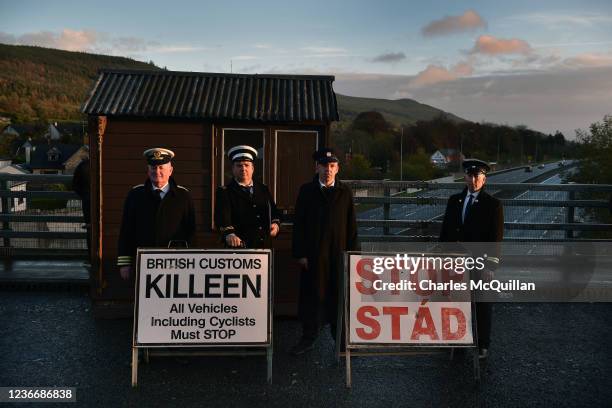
(202, 298)
(412, 305)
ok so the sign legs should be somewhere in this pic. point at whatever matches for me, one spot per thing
(134, 367)
(269, 357)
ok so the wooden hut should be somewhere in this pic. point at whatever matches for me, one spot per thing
(200, 116)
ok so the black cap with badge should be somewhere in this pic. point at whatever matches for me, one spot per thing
(158, 156)
(475, 166)
(325, 155)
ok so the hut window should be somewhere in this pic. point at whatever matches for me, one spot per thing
(251, 137)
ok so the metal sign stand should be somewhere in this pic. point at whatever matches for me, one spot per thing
(383, 350)
(268, 352)
(174, 351)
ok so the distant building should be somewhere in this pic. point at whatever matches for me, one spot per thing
(444, 157)
(438, 159)
(52, 133)
(17, 203)
(19, 130)
(53, 158)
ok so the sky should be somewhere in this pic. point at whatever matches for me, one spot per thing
(545, 64)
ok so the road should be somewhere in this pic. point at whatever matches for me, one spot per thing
(434, 211)
(541, 355)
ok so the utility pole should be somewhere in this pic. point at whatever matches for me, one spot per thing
(402, 154)
(498, 144)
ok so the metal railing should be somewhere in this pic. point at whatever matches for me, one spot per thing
(40, 215)
(562, 217)
(564, 214)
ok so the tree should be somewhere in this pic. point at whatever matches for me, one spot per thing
(595, 152)
(359, 168)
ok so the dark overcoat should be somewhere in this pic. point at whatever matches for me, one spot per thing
(247, 215)
(324, 226)
(148, 222)
(484, 222)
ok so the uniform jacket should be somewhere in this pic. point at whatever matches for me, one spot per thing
(247, 215)
(149, 223)
(484, 222)
(324, 226)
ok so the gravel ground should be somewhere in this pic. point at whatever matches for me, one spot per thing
(542, 355)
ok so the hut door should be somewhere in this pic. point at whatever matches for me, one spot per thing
(294, 165)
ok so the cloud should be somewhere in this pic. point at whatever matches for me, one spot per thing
(553, 20)
(67, 39)
(93, 41)
(589, 60)
(389, 57)
(434, 74)
(244, 58)
(468, 21)
(324, 50)
(489, 45)
(545, 101)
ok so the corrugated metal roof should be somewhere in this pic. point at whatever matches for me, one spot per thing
(270, 98)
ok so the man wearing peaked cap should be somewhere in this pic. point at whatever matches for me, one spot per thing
(475, 216)
(157, 213)
(245, 212)
(323, 227)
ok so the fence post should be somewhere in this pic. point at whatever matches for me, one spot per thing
(386, 210)
(6, 209)
(570, 216)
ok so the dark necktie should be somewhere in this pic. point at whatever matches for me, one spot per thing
(248, 189)
(467, 207)
(157, 193)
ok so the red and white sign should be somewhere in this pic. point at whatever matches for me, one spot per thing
(411, 307)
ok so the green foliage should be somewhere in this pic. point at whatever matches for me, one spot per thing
(9, 144)
(595, 152)
(359, 168)
(378, 141)
(418, 167)
(47, 84)
(44, 203)
(595, 167)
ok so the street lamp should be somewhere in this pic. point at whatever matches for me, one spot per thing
(402, 154)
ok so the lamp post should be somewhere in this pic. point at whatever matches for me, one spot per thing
(402, 154)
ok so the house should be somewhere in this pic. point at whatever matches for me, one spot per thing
(17, 203)
(19, 130)
(200, 116)
(73, 131)
(438, 159)
(444, 157)
(52, 158)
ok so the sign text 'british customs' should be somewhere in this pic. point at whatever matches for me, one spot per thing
(202, 297)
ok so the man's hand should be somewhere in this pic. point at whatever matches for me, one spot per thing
(303, 263)
(274, 230)
(233, 240)
(125, 272)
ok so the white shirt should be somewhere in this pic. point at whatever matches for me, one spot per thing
(164, 190)
(465, 201)
(324, 186)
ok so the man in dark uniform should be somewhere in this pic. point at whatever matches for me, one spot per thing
(245, 212)
(155, 213)
(475, 216)
(324, 226)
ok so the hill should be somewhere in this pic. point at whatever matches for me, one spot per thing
(398, 112)
(43, 84)
(47, 84)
